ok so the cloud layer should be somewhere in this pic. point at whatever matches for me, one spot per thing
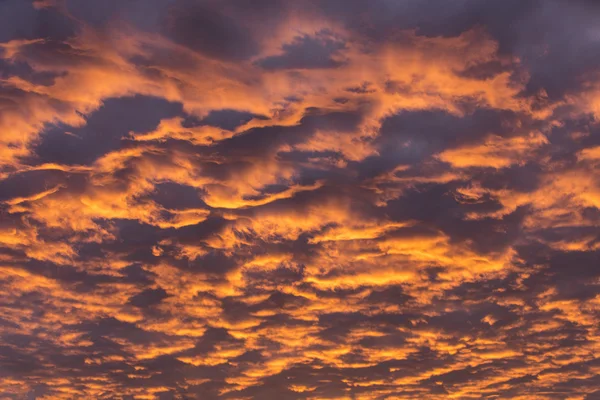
(299, 200)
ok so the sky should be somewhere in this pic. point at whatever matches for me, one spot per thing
(293, 200)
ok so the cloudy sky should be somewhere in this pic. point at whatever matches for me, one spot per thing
(316, 199)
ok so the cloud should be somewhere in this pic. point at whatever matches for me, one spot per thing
(306, 53)
(322, 199)
(209, 31)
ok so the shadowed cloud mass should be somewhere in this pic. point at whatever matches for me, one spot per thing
(299, 200)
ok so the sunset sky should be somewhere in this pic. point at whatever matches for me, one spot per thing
(300, 199)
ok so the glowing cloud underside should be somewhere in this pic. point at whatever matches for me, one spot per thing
(299, 200)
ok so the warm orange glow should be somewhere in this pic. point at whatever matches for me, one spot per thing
(299, 200)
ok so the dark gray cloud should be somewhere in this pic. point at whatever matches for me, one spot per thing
(104, 130)
(307, 52)
(209, 31)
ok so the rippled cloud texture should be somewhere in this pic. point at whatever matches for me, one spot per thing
(311, 199)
